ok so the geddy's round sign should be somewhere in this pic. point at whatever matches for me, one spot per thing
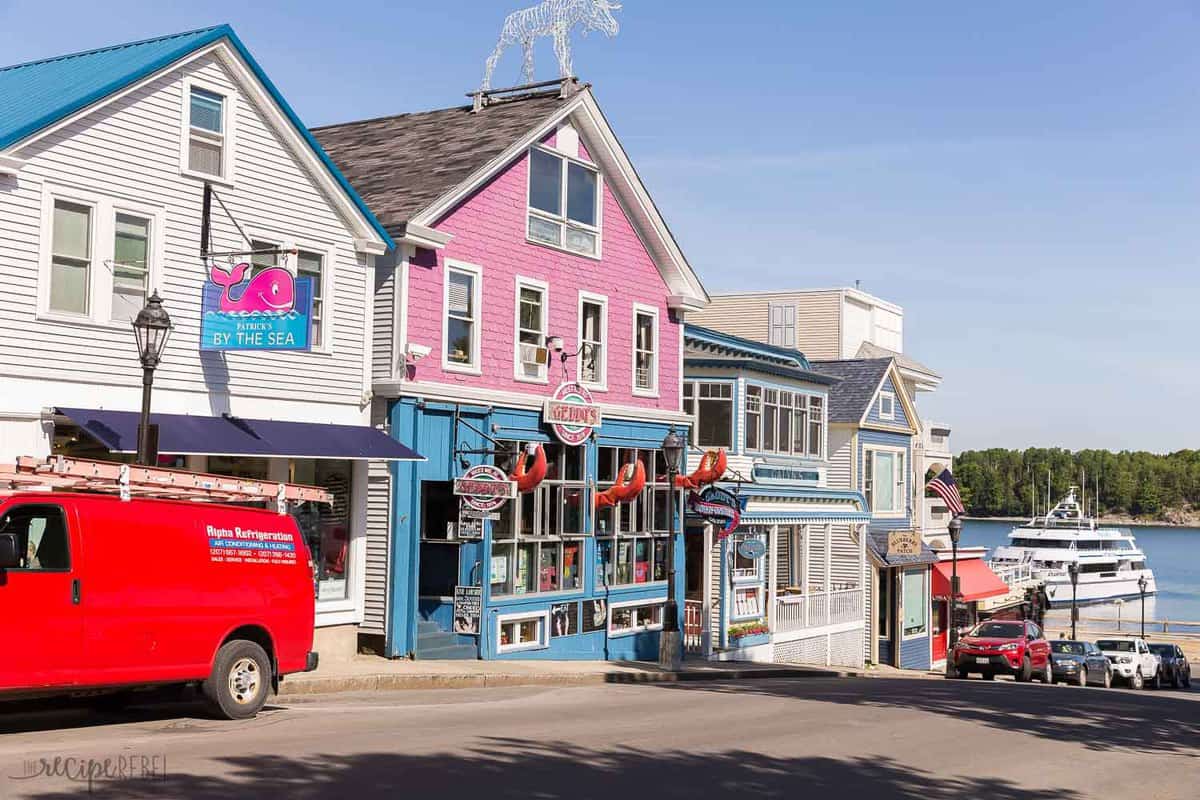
(485, 488)
(572, 414)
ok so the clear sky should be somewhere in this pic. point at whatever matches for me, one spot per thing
(1021, 177)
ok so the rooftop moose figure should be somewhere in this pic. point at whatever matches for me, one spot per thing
(551, 18)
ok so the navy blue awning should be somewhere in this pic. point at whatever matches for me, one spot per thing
(184, 434)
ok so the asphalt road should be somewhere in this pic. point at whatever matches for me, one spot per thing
(835, 739)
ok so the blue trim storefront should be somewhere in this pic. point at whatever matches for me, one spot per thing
(555, 577)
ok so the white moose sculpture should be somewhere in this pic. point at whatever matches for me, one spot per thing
(551, 18)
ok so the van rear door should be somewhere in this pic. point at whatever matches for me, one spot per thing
(41, 599)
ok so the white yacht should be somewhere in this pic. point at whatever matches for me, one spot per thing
(1110, 562)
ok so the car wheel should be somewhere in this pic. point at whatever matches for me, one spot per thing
(1047, 675)
(1156, 681)
(1082, 679)
(1187, 680)
(1108, 679)
(240, 680)
(1176, 680)
(1026, 673)
(1136, 681)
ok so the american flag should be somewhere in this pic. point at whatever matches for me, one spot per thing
(947, 489)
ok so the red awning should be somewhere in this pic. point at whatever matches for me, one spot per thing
(976, 581)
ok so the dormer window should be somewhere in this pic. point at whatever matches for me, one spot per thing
(564, 203)
(887, 406)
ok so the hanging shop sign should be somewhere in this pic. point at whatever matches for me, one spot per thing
(773, 473)
(485, 488)
(719, 506)
(904, 543)
(269, 310)
(571, 413)
(752, 549)
(468, 601)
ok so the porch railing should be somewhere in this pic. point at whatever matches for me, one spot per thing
(798, 612)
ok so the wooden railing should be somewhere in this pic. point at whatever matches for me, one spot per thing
(798, 612)
(693, 626)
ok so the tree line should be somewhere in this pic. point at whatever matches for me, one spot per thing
(1010, 483)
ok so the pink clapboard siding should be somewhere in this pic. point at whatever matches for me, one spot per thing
(489, 232)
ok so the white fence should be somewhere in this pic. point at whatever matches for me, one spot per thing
(798, 612)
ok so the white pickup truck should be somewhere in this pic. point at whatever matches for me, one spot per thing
(1132, 661)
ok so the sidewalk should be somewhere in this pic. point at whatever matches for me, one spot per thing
(371, 673)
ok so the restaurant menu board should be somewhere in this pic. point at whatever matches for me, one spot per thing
(564, 619)
(468, 601)
(595, 616)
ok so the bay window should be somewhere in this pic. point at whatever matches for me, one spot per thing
(564, 203)
(784, 422)
(753, 417)
(711, 406)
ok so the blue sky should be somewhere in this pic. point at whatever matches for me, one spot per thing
(1021, 177)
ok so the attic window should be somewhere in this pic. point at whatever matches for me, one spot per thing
(206, 132)
(887, 405)
(564, 203)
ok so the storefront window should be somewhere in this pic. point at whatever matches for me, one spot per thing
(916, 612)
(634, 534)
(537, 541)
(327, 527)
(636, 618)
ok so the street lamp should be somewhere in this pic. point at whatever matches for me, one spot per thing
(1142, 591)
(151, 327)
(1073, 569)
(955, 528)
(669, 642)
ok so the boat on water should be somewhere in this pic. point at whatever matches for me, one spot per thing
(1109, 559)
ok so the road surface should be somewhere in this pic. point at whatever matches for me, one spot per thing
(833, 739)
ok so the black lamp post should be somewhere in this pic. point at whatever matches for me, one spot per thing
(669, 647)
(1142, 591)
(151, 327)
(955, 528)
(1073, 569)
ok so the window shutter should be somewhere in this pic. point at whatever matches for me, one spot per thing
(460, 294)
(789, 326)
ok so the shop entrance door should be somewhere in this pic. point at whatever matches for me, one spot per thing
(940, 629)
(440, 571)
(693, 604)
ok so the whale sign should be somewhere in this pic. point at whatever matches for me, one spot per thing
(268, 310)
(571, 413)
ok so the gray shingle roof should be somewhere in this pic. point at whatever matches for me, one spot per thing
(404, 163)
(869, 350)
(852, 395)
(877, 540)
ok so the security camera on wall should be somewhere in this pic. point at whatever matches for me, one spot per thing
(416, 352)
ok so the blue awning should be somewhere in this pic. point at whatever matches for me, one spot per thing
(184, 434)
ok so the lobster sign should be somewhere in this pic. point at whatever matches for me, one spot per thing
(267, 310)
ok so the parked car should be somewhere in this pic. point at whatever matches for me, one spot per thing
(1080, 663)
(1175, 667)
(1003, 647)
(1132, 661)
(101, 593)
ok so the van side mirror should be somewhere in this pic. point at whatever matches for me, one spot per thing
(10, 556)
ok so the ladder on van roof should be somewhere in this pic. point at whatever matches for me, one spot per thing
(133, 480)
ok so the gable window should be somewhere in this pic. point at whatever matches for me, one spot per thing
(206, 132)
(531, 354)
(883, 480)
(711, 406)
(782, 325)
(593, 330)
(887, 405)
(645, 350)
(312, 265)
(564, 203)
(131, 266)
(461, 323)
(70, 257)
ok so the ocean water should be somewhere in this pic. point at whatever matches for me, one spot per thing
(1173, 554)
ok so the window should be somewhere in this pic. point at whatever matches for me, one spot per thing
(782, 325)
(70, 257)
(788, 423)
(887, 405)
(746, 568)
(131, 266)
(564, 203)
(645, 353)
(41, 534)
(531, 355)
(632, 537)
(593, 330)
(206, 132)
(816, 426)
(523, 632)
(627, 619)
(312, 265)
(711, 406)
(537, 543)
(915, 611)
(884, 480)
(462, 318)
(753, 417)
(326, 528)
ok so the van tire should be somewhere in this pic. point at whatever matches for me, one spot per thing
(241, 680)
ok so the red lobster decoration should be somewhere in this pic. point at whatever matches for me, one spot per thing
(710, 470)
(630, 482)
(527, 480)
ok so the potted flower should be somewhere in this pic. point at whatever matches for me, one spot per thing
(744, 630)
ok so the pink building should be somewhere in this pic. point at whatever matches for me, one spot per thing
(532, 265)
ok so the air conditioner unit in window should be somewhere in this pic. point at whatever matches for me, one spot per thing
(534, 356)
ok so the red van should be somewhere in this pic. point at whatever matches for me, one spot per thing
(100, 593)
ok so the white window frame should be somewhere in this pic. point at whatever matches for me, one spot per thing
(637, 628)
(928, 614)
(102, 248)
(474, 367)
(543, 287)
(602, 301)
(638, 310)
(543, 642)
(228, 130)
(890, 413)
(561, 218)
(695, 384)
(901, 491)
(746, 586)
(327, 252)
(760, 573)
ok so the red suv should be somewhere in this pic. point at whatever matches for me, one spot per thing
(1003, 647)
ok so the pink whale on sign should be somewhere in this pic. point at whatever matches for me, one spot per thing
(270, 291)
